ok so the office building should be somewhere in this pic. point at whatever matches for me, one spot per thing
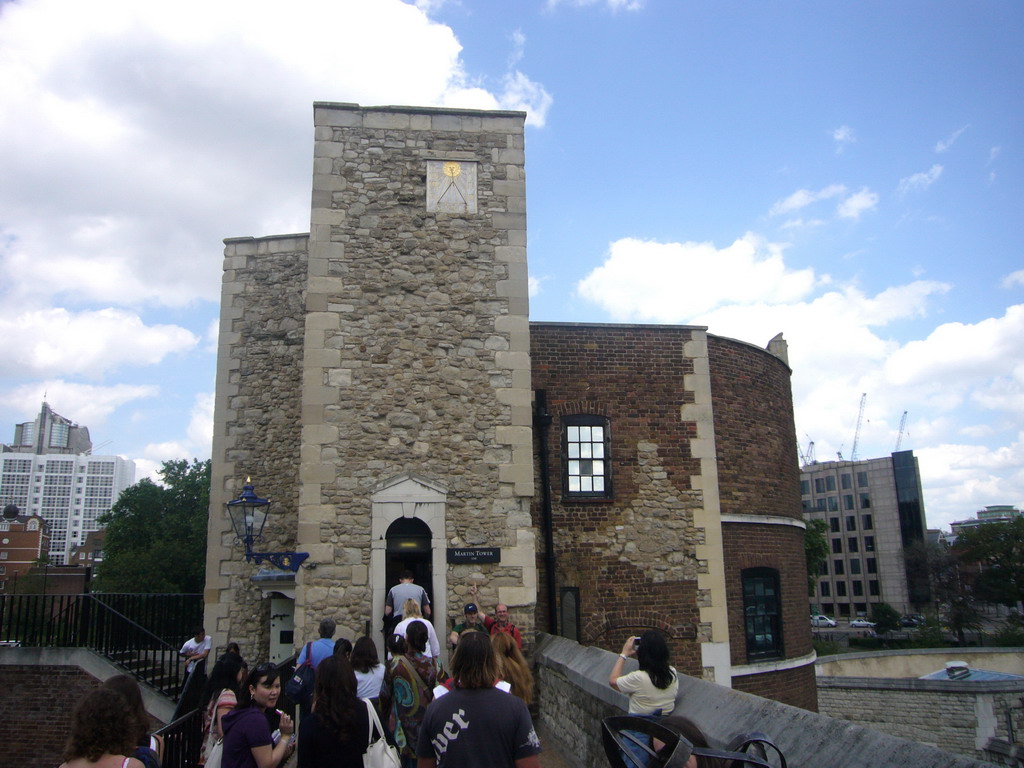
(875, 511)
(67, 490)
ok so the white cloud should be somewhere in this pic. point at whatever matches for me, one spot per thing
(115, 113)
(842, 136)
(521, 93)
(802, 223)
(86, 404)
(958, 355)
(1014, 279)
(58, 342)
(856, 204)
(804, 197)
(612, 5)
(943, 146)
(534, 286)
(668, 282)
(518, 48)
(919, 181)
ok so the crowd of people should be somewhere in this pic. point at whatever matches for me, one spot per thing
(474, 714)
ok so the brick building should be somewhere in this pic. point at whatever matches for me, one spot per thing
(379, 379)
(24, 539)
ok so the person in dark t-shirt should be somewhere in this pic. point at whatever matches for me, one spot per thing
(477, 725)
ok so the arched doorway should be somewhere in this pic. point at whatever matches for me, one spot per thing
(407, 548)
(408, 531)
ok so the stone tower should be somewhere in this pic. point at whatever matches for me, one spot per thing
(411, 444)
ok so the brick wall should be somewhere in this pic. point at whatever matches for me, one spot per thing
(35, 709)
(755, 436)
(631, 556)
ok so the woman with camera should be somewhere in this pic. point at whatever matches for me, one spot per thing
(651, 689)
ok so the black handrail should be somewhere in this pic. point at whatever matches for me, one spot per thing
(88, 621)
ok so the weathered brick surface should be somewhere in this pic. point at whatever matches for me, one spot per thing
(631, 556)
(35, 709)
(755, 435)
(796, 687)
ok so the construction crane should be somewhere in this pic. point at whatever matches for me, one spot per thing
(899, 437)
(856, 434)
(806, 457)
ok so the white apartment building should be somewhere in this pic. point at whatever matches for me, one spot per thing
(69, 491)
(875, 510)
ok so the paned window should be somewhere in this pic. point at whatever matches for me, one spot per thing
(838, 568)
(844, 481)
(858, 589)
(847, 501)
(872, 565)
(825, 589)
(830, 483)
(855, 565)
(869, 543)
(866, 522)
(865, 501)
(587, 466)
(762, 614)
(833, 504)
(873, 588)
(837, 546)
(851, 544)
(862, 479)
(833, 524)
(851, 522)
(840, 589)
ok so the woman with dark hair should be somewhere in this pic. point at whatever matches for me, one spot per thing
(477, 724)
(342, 647)
(368, 670)
(512, 666)
(334, 734)
(101, 732)
(248, 741)
(149, 750)
(414, 676)
(220, 696)
(651, 689)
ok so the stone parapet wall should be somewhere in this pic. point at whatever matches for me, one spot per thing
(961, 717)
(575, 695)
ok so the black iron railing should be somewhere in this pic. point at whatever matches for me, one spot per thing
(182, 740)
(93, 621)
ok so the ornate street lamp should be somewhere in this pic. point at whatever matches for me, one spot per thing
(248, 515)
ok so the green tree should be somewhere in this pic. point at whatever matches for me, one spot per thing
(886, 618)
(816, 551)
(998, 548)
(156, 534)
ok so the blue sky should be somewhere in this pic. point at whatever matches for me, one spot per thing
(848, 174)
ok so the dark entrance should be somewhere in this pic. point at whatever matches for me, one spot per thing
(408, 548)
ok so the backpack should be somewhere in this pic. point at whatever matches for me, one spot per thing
(300, 687)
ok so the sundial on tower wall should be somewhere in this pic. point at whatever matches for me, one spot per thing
(451, 186)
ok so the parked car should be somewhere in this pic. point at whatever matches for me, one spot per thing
(912, 620)
(862, 624)
(822, 621)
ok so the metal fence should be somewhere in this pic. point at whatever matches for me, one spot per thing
(140, 633)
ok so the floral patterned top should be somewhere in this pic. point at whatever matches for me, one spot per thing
(413, 678)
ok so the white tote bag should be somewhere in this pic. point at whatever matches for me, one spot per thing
(214, 755)
(379, 754)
